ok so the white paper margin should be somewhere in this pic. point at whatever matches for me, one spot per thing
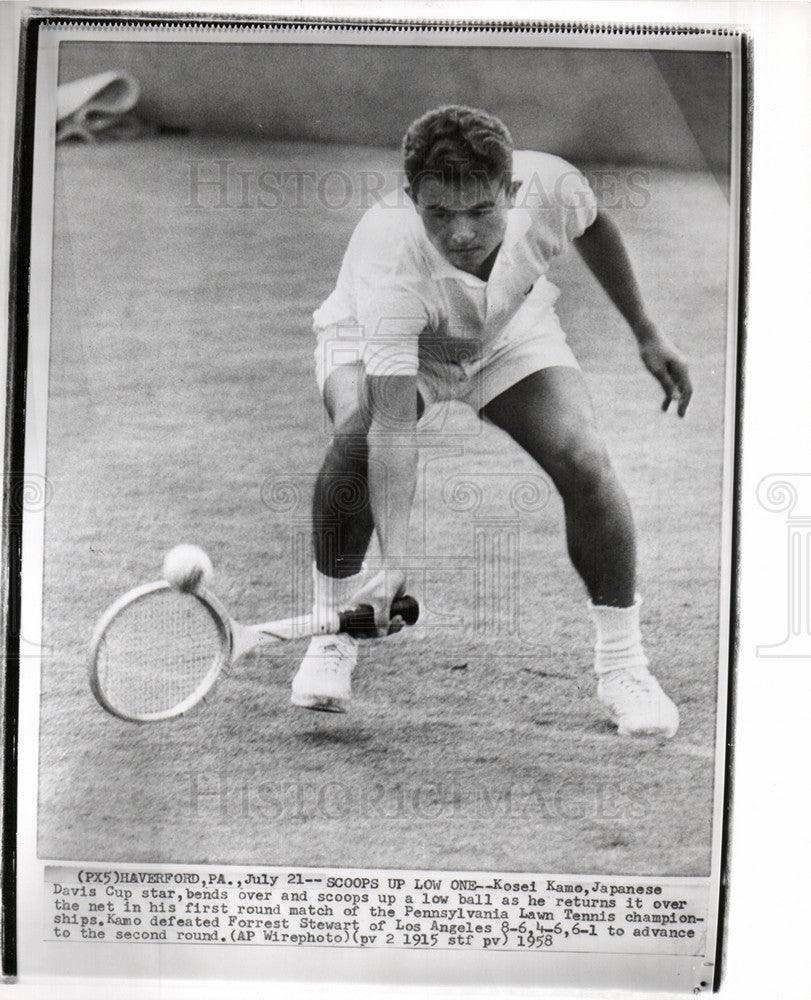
(767, 952)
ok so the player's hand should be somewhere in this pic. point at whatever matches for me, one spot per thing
(380, 592)
(666, 363)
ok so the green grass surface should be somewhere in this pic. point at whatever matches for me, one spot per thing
(183, 408)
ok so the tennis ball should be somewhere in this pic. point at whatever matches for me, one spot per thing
(187, 567)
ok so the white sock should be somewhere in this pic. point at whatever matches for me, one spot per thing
(619, 637)
(331, 595)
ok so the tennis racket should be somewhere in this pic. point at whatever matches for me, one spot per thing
(157, 651)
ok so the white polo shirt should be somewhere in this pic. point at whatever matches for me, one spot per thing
(410, 308)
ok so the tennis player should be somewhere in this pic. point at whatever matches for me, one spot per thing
(443, 295)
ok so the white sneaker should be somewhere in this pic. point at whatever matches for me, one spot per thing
(324, 679)
(637, 704)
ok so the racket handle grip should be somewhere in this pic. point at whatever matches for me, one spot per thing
(360, 622)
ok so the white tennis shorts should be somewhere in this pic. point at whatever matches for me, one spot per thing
(527, 344)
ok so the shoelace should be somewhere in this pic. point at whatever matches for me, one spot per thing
(635, 685)
(341, 654)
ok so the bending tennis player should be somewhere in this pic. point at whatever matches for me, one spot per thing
(442, 295)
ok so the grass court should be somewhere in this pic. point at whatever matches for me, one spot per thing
(183, 408)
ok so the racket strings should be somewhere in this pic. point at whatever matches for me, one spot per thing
(157, 652)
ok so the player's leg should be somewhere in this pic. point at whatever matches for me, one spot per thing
(549, 413)
(342, 526)
(342, 516)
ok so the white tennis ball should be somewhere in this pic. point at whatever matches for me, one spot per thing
(187, 567)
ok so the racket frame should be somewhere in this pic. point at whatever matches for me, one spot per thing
(235, 640)
(220, 662)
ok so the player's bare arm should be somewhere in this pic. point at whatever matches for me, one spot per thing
(602, 248)
(392, 400)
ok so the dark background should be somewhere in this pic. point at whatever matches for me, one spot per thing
(587, 105)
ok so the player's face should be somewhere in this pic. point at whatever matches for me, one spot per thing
(466, 220)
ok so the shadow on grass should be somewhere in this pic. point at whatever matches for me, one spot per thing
(351, 736)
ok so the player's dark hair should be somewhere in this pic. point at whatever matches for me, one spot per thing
(456, 143)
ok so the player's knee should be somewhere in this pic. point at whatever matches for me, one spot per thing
(354, 423)
(348, 449)
(582, 471)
